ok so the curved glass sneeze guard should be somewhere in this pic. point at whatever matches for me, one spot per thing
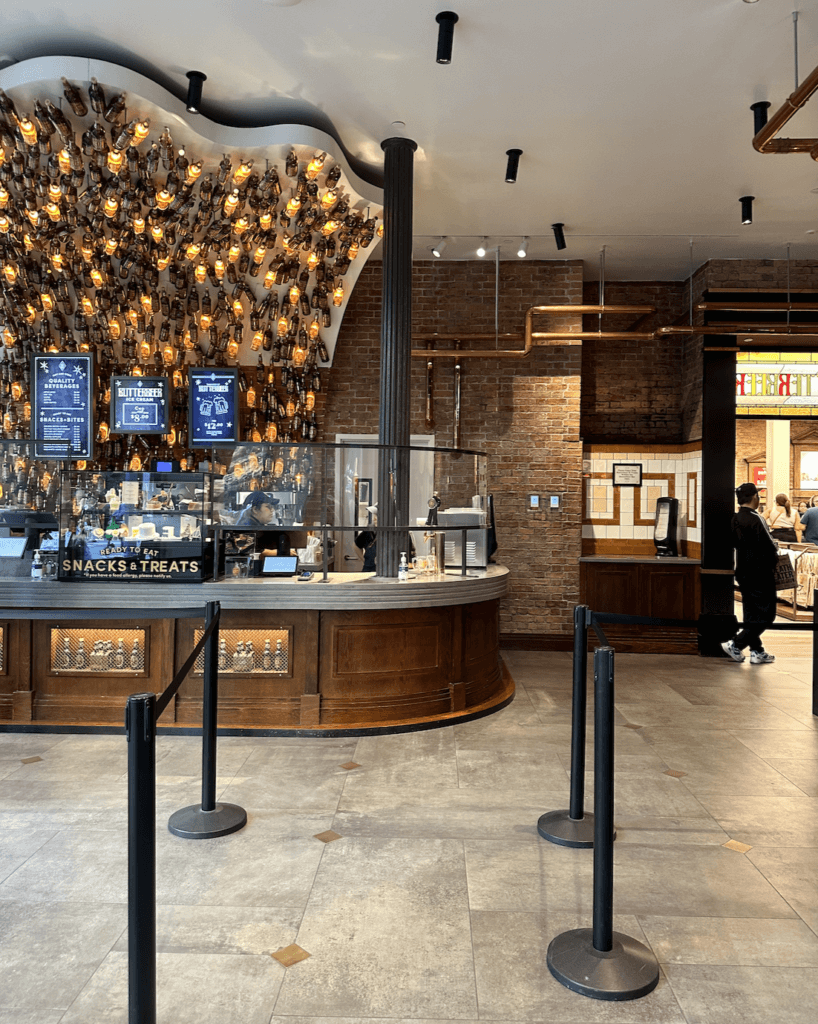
(327, 500)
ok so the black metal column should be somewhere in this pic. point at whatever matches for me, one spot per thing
(396, 349)
(718, 494)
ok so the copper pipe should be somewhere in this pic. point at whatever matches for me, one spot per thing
(764, 141)
(773, 307)
(591, 335)
(458, 373)
(430, 367)
(530, 335)
(743, 329)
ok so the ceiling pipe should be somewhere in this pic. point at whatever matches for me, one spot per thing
(530, 335)
(765, 141)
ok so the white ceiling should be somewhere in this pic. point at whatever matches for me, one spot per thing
(633, 115)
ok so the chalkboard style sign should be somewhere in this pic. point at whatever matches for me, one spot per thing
(62, 419)
(140, 405)
(213, 402)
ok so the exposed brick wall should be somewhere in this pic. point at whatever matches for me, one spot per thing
(524, 414)
(631, 388)
(751, 438)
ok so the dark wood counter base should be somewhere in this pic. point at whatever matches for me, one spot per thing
(285, 670)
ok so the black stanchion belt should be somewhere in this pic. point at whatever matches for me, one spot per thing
(169, 693)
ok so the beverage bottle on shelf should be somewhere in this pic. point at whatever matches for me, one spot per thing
(403, 568)
(224, 657)
(136, 657)
(81, 661)
(238, 657)
(250, 656)
(279, 658)
(110, 655)
(120, 655)
(267, 657)
(65, 654)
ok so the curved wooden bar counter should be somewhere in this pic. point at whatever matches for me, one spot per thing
(354, 653)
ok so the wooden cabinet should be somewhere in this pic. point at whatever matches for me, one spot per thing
(660, 588)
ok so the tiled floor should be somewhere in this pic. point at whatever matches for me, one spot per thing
(440, 899)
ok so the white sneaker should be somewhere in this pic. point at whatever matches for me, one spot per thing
(761, 658)
(732, 651)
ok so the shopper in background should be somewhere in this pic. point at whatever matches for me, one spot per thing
(756, 558)
(784, 523)
(802, 508)
(809, 524)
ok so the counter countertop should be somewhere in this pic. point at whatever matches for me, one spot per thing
(343, 591)
(641, 559)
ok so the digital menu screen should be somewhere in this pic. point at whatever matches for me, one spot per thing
(62, 419)
(213, 403)
(140, 405)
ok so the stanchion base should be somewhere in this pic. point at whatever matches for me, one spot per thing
(628, 971)
(194, 823)
(560, 828)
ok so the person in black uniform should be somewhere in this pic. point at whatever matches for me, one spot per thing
(756, 557)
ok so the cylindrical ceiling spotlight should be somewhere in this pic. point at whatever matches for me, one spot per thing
(522, 252)
(194, 91)
(445, 36)
(482, 248)
(746, 209)
(437, 250)
(559, 234)
(513, 164)
(759, 115)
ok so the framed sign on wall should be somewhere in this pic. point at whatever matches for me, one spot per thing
(140, 405)
(213, 406)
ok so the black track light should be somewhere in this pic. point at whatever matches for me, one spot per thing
(445, 36)
(559, 234)
(513, 164)
(759, 115)
(194, 91)
(747, 209)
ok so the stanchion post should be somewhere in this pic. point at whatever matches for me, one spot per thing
(574, 827)
(210, 701)
(599, 962)
(140, 729)
(211, 819)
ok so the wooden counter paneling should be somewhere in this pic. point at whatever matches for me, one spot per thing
(661, 588)
(15, 673)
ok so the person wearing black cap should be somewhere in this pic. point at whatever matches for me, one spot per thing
(756, 557)
(259, 512)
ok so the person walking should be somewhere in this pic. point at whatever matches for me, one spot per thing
(756, 557)
(784, 523)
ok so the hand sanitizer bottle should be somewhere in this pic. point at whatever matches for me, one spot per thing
(403, 568)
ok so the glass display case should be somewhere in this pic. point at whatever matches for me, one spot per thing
(124, 526)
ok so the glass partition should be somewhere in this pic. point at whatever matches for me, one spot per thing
(327, 499)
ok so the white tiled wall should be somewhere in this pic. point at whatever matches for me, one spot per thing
(599, 494)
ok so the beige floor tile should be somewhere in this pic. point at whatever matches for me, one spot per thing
(731, 941)
(754, 995)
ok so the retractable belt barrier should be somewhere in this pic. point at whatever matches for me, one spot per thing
(597, 961)
(197, 822)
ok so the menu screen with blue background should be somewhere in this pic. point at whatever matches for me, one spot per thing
(214, 407)
(62, 419)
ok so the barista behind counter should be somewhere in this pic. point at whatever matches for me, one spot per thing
(257, 514)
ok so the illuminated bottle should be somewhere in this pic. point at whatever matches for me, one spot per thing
(279, 658)
(291, 166)
(267, 657)
(136, 660)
